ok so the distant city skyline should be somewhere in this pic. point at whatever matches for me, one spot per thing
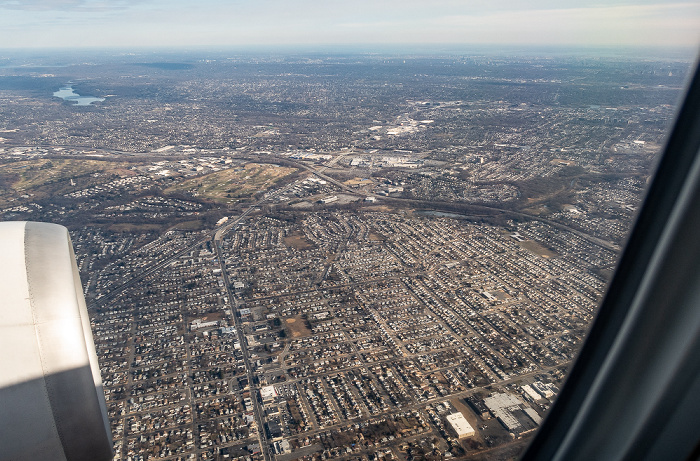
(177, 23)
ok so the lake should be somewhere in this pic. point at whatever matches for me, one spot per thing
(68, 94)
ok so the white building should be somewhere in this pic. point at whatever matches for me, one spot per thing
(199, 324)
(460, 425)
(331, 199)
(268, 393)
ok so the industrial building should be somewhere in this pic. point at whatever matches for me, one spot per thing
(516, 416)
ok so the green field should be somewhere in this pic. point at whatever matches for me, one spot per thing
(233, 184)
(45, 177)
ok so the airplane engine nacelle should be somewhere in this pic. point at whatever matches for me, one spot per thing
(52, 405)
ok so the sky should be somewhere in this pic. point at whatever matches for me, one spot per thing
(247, 23)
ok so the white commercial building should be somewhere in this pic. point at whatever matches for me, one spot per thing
(268, 393)
(460, 425)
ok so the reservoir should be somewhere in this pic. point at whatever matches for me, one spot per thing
(68, 94)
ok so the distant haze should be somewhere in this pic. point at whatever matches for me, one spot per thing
(180, 23)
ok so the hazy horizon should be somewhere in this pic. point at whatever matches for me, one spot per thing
(36, 24)
(57, 56)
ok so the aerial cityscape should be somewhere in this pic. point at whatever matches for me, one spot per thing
(356, 256)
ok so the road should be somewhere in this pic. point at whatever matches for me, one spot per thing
(218, 236)
(257, 410)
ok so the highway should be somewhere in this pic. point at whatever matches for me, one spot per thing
(449, 207)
